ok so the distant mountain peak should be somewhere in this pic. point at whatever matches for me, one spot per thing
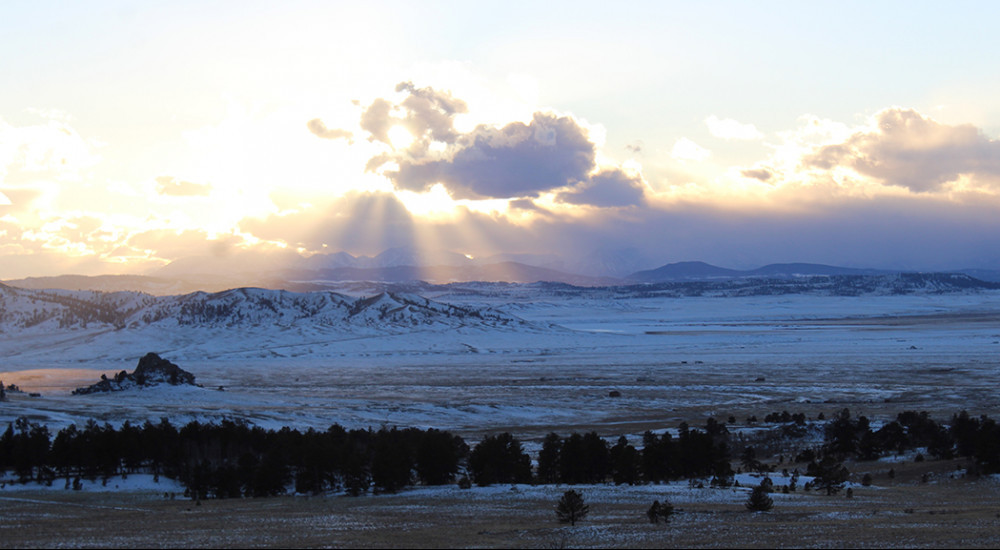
(684, 271)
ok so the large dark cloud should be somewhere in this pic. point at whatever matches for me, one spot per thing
(518, 160)
(608, 188)
(913, 151)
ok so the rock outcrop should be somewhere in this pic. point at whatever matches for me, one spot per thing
(152, 370)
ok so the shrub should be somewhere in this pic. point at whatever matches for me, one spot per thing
(660, 511)
(759, 501)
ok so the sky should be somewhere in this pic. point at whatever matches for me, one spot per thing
(862, 134)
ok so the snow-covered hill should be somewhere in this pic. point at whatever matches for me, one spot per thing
(391, 310)
(897, 284)
(52, 310)
(826, 285)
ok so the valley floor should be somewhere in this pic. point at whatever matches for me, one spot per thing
(670, 360)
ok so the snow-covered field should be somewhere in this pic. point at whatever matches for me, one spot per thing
(531, 363)
(670, 359)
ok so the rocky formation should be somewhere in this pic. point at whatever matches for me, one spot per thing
(152, 370)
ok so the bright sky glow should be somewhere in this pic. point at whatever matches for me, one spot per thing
(136, 134)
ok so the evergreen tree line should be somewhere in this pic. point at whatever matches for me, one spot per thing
(587, 458)
(965, 436)
(233, 459)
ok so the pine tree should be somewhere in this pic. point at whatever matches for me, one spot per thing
(759, 501)
(571, 507)
(625, 462)
(828, 474)
(548, 459)
(749, 460)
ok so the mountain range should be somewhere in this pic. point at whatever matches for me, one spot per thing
(53, 310)
(289, 270)
(397, 308)
(700, 271)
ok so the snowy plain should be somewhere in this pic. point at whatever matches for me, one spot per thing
(671, 359)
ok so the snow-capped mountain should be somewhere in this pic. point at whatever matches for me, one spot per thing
(23, 309)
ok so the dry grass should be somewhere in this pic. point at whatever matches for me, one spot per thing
(946, 512)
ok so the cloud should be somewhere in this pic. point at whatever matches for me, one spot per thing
(904, 148)
(377, 120)
(166, 185)
(609, 188)
(526, 205)
(319, 129)
(877, 231)
(518, 160)
(430, 112)
(84, 228)
(50, 151)
(731, 129)
(685, 149)
(169, 244)
(427, 114)
(4, 201)
(760, 174)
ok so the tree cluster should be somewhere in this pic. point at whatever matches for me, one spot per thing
(232, 459)
(587, 458)
(499, 459)
(966, 436)
(692, 454)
